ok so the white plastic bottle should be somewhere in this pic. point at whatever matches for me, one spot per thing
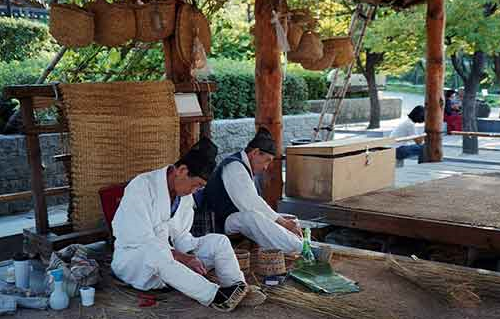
(58, 298)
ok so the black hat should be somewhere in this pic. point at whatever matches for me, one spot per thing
(264, 141)
(200, 160)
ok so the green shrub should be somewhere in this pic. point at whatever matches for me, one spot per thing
(235, 95)
(22, 39)
(21, 72)
(317, 86)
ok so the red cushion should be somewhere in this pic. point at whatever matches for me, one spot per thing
(110, 200)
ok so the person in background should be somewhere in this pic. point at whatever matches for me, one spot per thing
(452, 104)
(407, 128)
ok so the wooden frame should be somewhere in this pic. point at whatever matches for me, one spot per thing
(433, 230)
(43, 238)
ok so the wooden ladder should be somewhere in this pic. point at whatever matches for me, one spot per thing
(357, 29)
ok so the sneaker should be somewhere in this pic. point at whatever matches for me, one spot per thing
(227, 298)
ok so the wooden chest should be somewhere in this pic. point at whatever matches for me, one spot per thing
(333, 170)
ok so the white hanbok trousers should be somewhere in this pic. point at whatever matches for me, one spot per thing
(264, 231)
(146, 268)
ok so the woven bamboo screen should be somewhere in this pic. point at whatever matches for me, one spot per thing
(117, 130)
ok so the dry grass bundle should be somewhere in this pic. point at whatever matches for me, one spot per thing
(333, 307)
(453, 284)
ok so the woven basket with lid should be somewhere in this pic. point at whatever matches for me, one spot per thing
(70, 25)
(155, 20)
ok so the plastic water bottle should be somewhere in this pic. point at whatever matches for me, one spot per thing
(58, 298)
(307, 253)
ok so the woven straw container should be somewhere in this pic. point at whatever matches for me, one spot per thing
(310, 48)
(343, 50)
(271, 262)
(294, 34)
(114, 23)
(70, 25)
(155, 20)
(326, 61)
(243, 257)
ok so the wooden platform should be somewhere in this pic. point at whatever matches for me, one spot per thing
(463, 210)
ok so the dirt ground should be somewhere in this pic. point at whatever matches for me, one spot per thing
(391, 295)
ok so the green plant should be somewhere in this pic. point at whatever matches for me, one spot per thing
(22, 39)
(235, 95)
(21, 72)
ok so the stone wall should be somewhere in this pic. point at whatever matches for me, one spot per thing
(15, 170)
(229, 135)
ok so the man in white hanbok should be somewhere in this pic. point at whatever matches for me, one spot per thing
(154, 246)
(237, 207)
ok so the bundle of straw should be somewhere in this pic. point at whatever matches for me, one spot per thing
(456, 285)
(333, 307)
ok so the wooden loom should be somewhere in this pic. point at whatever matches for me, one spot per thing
(44, 238)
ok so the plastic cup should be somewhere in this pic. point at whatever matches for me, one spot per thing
(22, 268)
(87, 295)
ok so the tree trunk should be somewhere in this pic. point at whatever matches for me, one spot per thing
(496, 63)
(469, 120)
(268, 80)
(434, 99)
(372, 60)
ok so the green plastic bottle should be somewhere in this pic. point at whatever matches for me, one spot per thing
(307, 253)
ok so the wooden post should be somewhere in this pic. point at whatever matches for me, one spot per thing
(434, 99)
(35, 161)
(268, 81)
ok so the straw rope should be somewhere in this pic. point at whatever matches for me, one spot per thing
(117, 130)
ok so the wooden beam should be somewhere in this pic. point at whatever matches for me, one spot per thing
(434, 99)
(268, 86)
(35, 162)
(46, 90)
(433, 230)
(409, 138)
(53, 191)
(478, 134)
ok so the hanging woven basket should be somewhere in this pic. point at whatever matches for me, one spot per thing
(310, 48)
(190, 22)
(326, 61)
(114, 23)
(343, 50)
(271, 263)
(294, 34)
(155, 20)
(70, 25)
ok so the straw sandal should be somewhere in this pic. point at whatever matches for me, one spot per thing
(238, 292)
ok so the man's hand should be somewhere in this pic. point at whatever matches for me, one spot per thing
(419, 140)
(191, 261)
(291, 225)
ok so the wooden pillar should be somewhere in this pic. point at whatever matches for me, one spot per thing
(178, 72)
(434, 99)
(35, 162)
(268, 88)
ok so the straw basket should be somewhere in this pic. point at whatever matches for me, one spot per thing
(343, 51)
(254, 258)
(271, 262)
(114, 23)
(190, 22)
(155, 20)
(310, 48)
(70, 25)
(326, 61)
(294, 34)
(243, 257)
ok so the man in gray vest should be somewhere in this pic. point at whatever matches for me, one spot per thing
(231, 195)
